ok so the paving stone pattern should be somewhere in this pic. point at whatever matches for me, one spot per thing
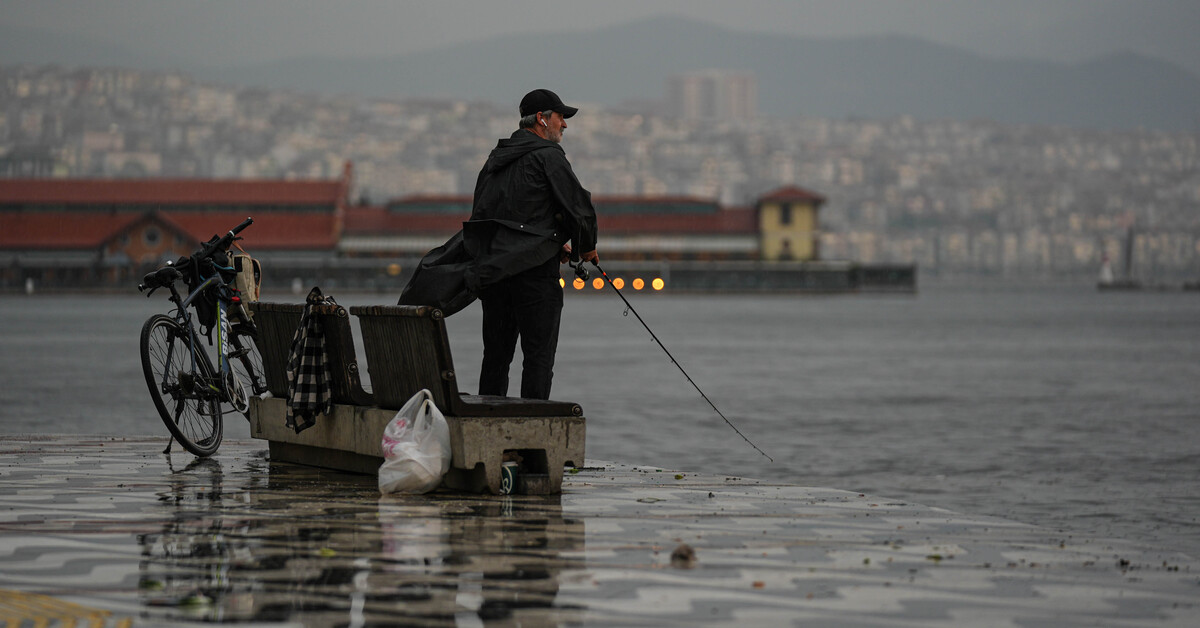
(111, 531)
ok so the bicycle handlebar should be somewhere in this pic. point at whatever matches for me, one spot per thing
(225, 240)
(245, 223)
(168, 274)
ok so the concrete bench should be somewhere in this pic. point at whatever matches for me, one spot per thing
(277, 323)
(407, 349)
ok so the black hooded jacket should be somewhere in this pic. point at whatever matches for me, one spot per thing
(528, 203)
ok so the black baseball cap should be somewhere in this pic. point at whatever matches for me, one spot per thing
(544, 100)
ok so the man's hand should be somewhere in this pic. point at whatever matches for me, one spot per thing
(565, 255)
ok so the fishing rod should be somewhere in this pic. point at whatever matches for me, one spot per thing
(582, 273)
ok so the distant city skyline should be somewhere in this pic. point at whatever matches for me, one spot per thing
(712, 95)
(954, 196)
(213, 33)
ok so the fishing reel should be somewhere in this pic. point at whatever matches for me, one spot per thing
(581, 271)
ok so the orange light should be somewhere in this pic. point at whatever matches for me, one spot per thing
(619, 283)
(597, 283)
(562, 283)
(658, 283)
(638, 284)
(578, 283)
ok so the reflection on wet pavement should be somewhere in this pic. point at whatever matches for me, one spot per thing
(283, 542)
(114, 528)
(238, 539)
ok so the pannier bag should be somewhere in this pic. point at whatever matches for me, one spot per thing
(248, 280)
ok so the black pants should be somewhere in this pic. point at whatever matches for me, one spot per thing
(529, 306)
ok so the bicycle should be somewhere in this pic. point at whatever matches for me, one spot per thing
(187, 389)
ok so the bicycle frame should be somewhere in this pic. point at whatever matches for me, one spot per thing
(175, 380)
(184, 316)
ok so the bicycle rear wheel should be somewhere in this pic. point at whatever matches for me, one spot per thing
(186, 399)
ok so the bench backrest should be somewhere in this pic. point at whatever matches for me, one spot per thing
(407, 349)
(277, 323)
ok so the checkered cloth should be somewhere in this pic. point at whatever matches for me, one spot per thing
(308, 369)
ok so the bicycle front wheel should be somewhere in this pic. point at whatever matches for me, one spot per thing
(186, 398)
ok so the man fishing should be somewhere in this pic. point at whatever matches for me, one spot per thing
(530, 214)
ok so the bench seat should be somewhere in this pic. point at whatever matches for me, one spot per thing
(407, 349)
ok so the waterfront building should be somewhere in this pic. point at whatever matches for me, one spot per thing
(787, 224)
(631, 228)
(80, 233)
(90, 232)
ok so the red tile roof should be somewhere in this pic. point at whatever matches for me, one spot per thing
(378, 220)
(172, 191)
(271, 230)
(723, 222)
(599, 201)
(793, 193)
(422, 199)
(91, 221)
(53, 230)
(86, 230)
(374, 220)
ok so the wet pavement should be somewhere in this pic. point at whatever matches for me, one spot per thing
(108, 531)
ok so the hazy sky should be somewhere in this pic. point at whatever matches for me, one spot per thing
(239, 31)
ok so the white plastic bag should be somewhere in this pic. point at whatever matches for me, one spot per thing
(416, 448)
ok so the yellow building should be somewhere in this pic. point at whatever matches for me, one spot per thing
(787, 225)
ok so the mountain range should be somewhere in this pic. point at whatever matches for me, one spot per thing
(871, 77)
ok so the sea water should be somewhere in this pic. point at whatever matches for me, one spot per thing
(1053, 405)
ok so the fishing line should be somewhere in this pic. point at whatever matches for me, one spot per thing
(581, 272)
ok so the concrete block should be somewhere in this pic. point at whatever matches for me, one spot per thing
(349, 439)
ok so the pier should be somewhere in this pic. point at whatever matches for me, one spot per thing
(111, 531)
